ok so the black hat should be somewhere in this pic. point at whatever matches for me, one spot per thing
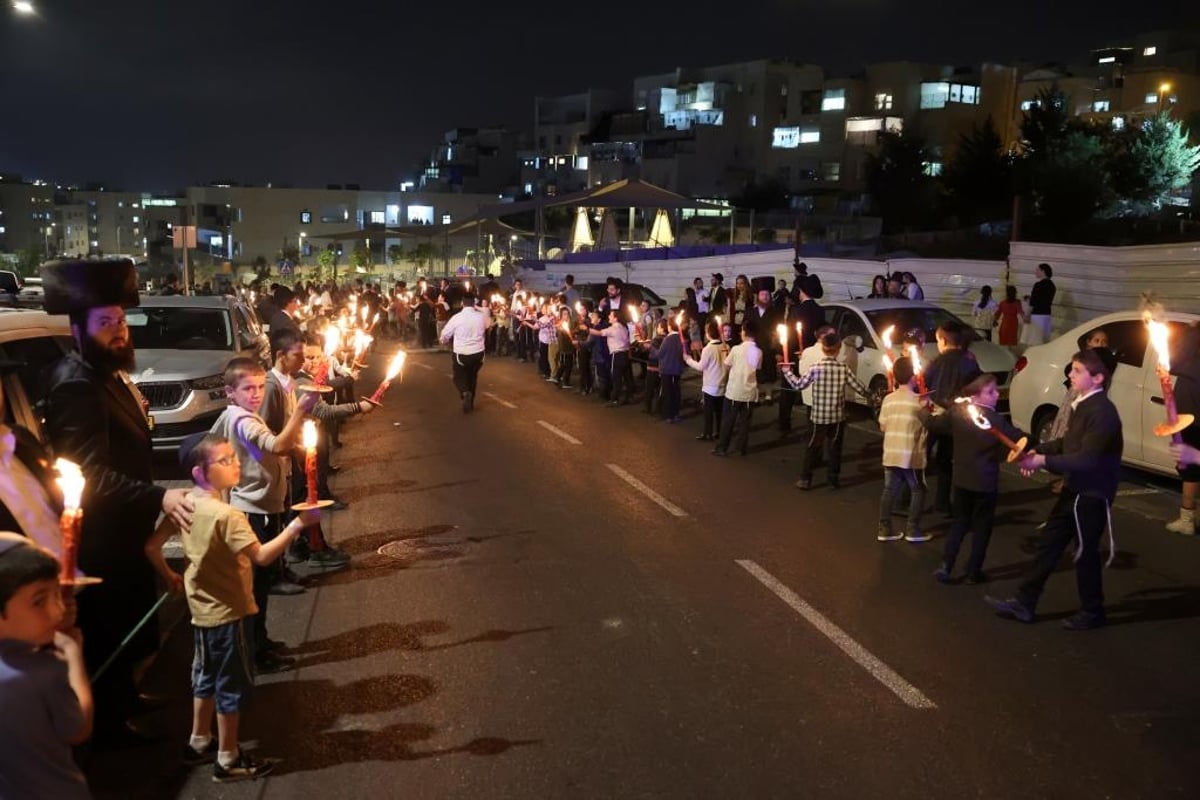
(611, 281)
(720, 278)
(811, 286)
(77, 285)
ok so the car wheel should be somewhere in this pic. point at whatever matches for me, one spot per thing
(1043, 421)
(877, 390)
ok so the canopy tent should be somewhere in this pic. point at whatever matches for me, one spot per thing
(581, 234)
(608, 239)
(625, 193)
(660, 231)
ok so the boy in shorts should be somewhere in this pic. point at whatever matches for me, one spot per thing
(220, 548)
(44, 688)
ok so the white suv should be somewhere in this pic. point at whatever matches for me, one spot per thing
(30, 343)
(1037, 387)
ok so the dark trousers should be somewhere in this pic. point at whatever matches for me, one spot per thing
(653, 383)
(974, 512)
(1059, 533)
(521, 341)
(712, 414)
(622, 377)
(735, 416)
(587, 378)
(266, 528)
(670, 396)
(825, 437)
(466, 371)
(894, 480)
(566, 363)
(943, 469)
(787, 399)
(543, 351)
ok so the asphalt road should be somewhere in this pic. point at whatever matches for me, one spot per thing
(522, 621)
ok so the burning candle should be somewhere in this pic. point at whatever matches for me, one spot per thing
(333, 338)
(634, 318)
(579, 308)
(394, 369)
(362, 340)
(70, 481)
(891, 372)
(467, 285)
(799, 340)
(984, 424)
(781, 333)
(309, 439)
(1160, 336)
(914, 353)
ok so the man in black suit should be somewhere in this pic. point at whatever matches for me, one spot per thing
(96, 417)
(811, 316)
(1089, 458)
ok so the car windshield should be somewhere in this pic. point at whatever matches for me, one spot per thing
(180, 329)
(905, 319)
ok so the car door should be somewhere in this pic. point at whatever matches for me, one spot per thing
(850, 323)
(1129, 341)
(1156, 449)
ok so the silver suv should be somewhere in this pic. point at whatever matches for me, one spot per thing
(183, 344)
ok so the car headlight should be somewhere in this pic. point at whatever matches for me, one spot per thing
(208, 383)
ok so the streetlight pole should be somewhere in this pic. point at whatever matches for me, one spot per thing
(1163, 88)
(300, 248)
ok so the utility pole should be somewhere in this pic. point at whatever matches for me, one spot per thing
(186, 283)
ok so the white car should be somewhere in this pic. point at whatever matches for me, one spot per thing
(1037, 389)
(30, 341)
(867, 319)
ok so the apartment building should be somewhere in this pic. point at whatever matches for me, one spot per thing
(26, 215)
(475, 161)
(557, 159)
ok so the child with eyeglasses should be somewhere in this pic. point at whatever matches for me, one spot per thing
(220, 548)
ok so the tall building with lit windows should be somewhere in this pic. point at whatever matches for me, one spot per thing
(26, 215)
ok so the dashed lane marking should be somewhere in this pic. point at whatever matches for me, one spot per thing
(908, 693)
(666, 504)
(559, 432)
(423, 365)
(499, 400)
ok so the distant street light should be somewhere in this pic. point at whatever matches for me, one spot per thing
(1163, 88)
(23, 7)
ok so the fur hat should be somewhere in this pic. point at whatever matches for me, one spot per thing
(77, 285)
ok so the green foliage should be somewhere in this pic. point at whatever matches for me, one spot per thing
(979, 177)
(425, 254)
(1161, 161)
(262, 269)
(290, 252)
(28, 261)
(360, 257)
(904, 196)
(395, 254)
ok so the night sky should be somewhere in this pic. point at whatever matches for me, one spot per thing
(157, 94)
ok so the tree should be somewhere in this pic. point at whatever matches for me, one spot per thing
(1159, 162)
(262, 269)
(28, 261)
(290, 252)
(360, 257)
(424, 254)
(395, 254)
(768, 195)
(902, 193)
(979, 177)
(327, 261)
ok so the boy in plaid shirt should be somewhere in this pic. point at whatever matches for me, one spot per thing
(903, 454)
(829, 379)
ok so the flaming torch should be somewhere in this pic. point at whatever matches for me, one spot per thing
(914, 353)
(362, 340)
(70, 480)
(799, 340)
(1160, 336)
(781, 332)
(308, 436)
(394, 369)
(1014, 448)
(886, 336)
(635, 318)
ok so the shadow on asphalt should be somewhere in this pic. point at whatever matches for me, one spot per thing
(1152, 605)
(371, 542)
(369, 640)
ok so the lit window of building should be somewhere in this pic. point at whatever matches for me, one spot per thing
(1151, 97)
(937, 94)
(1107, 60)
(1150, 51)
(1026, 105)
(1100, 105)
(378, 218)
(834, 100)
(883, 102)
(754, 120)
(831, 171)
(931, 168)
(1118, 123)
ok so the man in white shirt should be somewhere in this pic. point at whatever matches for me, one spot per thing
(467, 329)
(741, 389)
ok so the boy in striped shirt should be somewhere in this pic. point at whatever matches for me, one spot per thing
(903, 454)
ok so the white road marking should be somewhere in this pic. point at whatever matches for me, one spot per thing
(559, 432)
(908, 693)
(423, 365)
(504, 403)
(670, 507)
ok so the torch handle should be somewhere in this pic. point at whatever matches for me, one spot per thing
(379, 392)
(310, 474)
(69, 524)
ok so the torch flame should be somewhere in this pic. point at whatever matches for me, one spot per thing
(679, 321)
(333, 340)
(887, 362)
(979, 419)
(308, 435)
(800, 332)
(633, 312)
(1160, 336)
(365, 311)
(781, 332)
(70, 481)
(397, 364)
(579, 308)
(886, 336)
(566, 326)
(718, 319)
(361, 340)
(914, 354)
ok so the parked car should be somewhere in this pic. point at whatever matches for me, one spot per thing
(33, 340)
(867, 319)
(10, 288)
(1037, 390)
(183, 344)
(630, 293)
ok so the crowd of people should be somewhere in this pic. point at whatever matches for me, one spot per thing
(71, 654)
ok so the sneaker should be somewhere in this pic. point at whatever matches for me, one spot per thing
(718, 452)
(193, 757)
(273, 646)
(1011, 608)
(328, 559)
(887, 535)
(245, 768)
(1083, 621)
(287, 588)
(942, 575)
(918, 536)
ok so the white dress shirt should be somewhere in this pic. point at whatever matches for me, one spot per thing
(467, 329)
(25, 497)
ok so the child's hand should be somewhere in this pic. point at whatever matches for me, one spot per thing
(69, 645)
(308, 401)
(174, 582)
(309, 518)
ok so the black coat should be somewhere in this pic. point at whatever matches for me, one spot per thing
(1089, 454)
(30, 452)
(94, 420)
